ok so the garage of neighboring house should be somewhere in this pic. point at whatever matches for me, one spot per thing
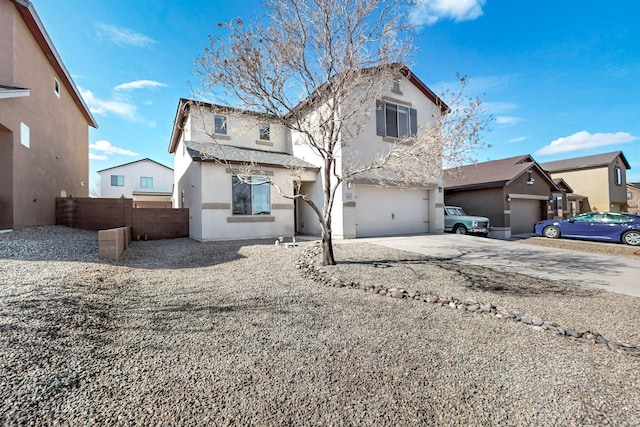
(525, 213)
(514, 193)
(385, 211)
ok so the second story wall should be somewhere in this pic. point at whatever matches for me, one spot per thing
(593, 183)
(48, 129)
(230, 128)
(142, 176)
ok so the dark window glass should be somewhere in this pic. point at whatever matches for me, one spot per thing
(117, 180)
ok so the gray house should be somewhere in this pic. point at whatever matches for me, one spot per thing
(514, 193)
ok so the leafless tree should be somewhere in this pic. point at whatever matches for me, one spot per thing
(316, 67)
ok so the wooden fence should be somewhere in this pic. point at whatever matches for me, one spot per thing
(101, 214)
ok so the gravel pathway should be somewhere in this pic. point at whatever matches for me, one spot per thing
(185, 333)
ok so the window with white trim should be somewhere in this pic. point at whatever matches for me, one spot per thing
(146, 182)
(56, 87)
(265, 132)
(220, 123)
(251, 196)
(396, 121)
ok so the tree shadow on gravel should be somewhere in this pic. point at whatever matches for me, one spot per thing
(480, 278)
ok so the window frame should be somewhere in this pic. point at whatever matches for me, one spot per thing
(221, 128)
(117, 180)
(240, 188)
(56, 87)
(389, 122)
(262, 135)
(146, 179)
(617, 175)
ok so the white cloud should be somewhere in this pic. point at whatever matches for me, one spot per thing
(428, 12)
(119, 105)
(139, 84)
(584, 140)
(93, 156)
(106, 147)
(517, 139)
(507, 120)
(122, 36)
(102, 107)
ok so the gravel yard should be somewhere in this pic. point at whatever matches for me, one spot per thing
(230, 333)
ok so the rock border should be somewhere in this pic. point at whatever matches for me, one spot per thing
(584, 334)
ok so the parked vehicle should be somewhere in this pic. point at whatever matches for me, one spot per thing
(457, 221)
(603, 226)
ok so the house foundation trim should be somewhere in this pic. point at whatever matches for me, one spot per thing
(251, 218)
(216, 206)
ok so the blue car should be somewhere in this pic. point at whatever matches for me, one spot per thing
(603, 226)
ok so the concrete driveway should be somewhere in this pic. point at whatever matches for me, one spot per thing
(613, 273)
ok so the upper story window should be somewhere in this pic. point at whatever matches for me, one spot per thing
(396, 85)
(56, 87)
(396, 121)
(251, 196)
(265, 132)
(117, 180)
(220, 124)
(617, 175)
(146, 182)
(629, 195)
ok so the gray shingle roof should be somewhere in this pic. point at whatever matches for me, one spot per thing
(491, 173)
(231, 154)
(585, 162)
(495, 171)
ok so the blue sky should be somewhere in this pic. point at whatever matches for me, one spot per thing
(560, 78)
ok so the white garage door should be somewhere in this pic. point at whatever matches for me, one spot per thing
(390, 211)
(524, 214)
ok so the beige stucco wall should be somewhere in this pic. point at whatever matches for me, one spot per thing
(242, 130)
(57, 161)
(593, 183)
(218, 220)
(362, 149)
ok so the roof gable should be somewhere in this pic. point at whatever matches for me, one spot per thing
(36, 27)
(586, 162)
(134, 162)
(494, 173)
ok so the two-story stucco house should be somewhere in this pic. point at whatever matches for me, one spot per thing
(44, 136)
(212, 143)
(599, 181)
(147, 182)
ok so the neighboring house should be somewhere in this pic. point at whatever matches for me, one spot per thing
(223, 207)
(147, 182)
(633, 197)
(44, 136)
(514, 193)
(599, 181)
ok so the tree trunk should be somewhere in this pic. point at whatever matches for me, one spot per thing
(327, 249)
